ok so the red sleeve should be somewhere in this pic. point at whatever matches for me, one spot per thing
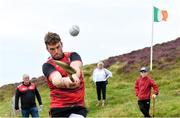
(155, 87)
(136, 87)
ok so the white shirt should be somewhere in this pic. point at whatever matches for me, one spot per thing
(101, 74)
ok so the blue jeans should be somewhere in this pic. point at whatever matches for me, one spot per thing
(33, 111)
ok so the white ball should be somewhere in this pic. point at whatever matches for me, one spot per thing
(74, 30)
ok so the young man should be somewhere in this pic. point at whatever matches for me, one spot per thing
(66, 96)
(100, 76)
(143, 86)
(27, 92)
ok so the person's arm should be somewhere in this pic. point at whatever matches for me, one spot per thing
(38, 96)
(76, 63)
(137, 87)
(59, 81)
(17, 94)
(155, 88)
(55, 77)
(94, 76)
(108, 73)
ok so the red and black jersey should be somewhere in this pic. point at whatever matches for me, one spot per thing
(27, 94)
(64, 97)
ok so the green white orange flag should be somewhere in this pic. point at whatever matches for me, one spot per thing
(160, 15)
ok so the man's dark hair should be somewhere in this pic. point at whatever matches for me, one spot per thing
(52, 38)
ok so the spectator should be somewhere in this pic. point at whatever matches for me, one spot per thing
(100, 77)
(27, 92)
(143, 86)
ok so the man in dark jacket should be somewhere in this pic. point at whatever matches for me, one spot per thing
(27, 92)
(143, 86)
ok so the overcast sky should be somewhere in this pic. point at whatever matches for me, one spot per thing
(107, 28)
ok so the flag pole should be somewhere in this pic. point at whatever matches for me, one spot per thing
(151, 51)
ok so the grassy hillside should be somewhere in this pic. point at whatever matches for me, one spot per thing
(121, 100)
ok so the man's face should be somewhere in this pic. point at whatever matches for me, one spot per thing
(55, 50)
(26, 80)
(144, 73)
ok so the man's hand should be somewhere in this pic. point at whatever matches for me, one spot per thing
(76, 79)
(64, 82)
(17, 110)
(154, 96)
(69, 84)
(40, 107)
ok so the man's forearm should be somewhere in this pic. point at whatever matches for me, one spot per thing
(77, 65)
(56, 79)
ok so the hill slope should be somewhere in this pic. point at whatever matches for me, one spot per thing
(121, 100)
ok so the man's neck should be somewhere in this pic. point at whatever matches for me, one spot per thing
(62, 56)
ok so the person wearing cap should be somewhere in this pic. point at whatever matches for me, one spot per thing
(27, 92)
(100, 76)
(143, 86)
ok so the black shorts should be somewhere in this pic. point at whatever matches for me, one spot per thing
(67, 111)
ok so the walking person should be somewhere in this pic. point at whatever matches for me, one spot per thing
(66, 96)
(27, 92)
(143, 86)
(100, 77)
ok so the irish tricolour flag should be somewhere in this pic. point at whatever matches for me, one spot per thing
(160, 15)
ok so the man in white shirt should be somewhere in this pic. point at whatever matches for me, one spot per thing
(100, 76)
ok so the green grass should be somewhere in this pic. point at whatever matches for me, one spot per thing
(121, 99)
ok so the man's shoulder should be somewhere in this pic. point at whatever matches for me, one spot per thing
(33, 84)
(138, 78)
(46, 64)
(75, 56)
(149, 77)
(47, 68)
(20, 85)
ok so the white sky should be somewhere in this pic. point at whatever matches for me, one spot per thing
(107, 28)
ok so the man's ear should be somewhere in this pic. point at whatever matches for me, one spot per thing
(61, 44)
(47, 48)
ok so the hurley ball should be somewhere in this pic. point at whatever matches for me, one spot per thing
(74, 30)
